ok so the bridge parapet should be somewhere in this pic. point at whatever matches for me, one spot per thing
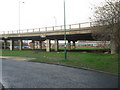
(48, 29)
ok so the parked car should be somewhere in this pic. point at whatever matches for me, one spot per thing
(26, 47)
(17, 47)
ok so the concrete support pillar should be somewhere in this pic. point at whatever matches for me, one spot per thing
(5, 44)
(11, 45)
(40, 44)
(74, 45)
(48, 45)
(56, 45)
(69, 45)
(33, 44)
(20, 44)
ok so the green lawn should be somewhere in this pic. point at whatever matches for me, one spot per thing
(86, 48)
(101, 62)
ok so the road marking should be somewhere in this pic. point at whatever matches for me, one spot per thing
(19, 59)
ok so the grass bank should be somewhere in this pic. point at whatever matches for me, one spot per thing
(101, 62)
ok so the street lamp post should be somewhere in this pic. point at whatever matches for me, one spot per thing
(19, 14)
(65, 51)
(55, 21)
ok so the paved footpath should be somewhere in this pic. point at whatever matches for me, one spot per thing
(23, 74)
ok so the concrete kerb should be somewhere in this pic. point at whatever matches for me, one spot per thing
(84, 68)
(16, 58)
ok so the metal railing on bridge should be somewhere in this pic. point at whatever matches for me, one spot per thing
(53, 28)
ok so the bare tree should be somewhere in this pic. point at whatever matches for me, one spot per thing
(107, 18)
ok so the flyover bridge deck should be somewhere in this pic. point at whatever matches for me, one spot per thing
(72, 29)
(74, 32)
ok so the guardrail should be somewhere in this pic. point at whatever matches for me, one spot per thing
(53, 28)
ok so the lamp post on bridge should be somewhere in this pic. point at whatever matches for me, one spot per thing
(55, 20)
(19, 14)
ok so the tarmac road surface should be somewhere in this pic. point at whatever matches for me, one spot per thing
(23, 74)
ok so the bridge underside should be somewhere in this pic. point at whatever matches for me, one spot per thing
(71, 37)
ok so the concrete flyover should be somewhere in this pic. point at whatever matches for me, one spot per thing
(74, 32)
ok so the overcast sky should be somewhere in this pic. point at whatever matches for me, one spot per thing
(42, 13)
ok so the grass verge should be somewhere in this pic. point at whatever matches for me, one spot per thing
(100, 62)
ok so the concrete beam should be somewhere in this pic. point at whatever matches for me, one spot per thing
(56, 45)
(48, 45)
(11, 45)
(20, 44)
